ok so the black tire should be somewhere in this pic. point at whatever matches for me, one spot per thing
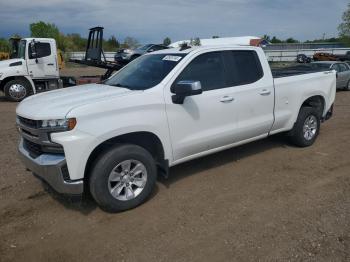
(297, 134)
(10, 96)
(103, 166)
(347, 88)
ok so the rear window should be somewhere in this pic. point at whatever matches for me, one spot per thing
(243, 67)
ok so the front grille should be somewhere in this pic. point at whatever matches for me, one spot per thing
(29, 122)
(65, 173)
(34, 149)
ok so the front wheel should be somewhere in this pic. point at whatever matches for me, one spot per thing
(17, 90)
(123, 177)
(307, 127)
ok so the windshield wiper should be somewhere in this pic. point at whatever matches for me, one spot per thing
(122, 86)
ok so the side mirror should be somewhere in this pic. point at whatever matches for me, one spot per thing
(32, 50)
(182, 89)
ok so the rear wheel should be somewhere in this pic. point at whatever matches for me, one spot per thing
(347, 88)
(123, 177)
(16, 90)
(307, 127)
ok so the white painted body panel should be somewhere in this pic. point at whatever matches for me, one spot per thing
(201, 126)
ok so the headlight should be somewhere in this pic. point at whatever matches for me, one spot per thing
(59, 124)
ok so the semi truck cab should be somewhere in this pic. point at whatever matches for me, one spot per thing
(34, 70)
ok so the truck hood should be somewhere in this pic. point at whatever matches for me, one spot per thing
(6, 63)
(56, 104)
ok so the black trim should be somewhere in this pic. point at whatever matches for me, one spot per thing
(16, 63)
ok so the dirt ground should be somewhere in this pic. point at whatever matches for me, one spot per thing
(265, 201)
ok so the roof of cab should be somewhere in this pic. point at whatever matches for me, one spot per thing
(178, 50)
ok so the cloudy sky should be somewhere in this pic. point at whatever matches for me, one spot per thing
(152, 20)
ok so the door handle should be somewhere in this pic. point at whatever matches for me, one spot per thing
(50, 64)
(265, 92)
(226, 99)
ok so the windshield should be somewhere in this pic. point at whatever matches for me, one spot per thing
(21, 49)
(145, 47)
(145, 72)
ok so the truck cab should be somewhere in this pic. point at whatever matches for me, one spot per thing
(35, 69)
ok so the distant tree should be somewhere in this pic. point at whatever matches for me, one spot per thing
(291, 40)
(195, 41)
(267, 38)
(215, 36)
(344, 27)
(47, 30)
(112, 44)
(166, 41)
(275, 40)
(4, 45)
(42, 29)
(130, 42)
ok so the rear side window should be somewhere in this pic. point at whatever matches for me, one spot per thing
(336, 67)
(343, 67)
(207, 68)
(243, 67)
(42, 49)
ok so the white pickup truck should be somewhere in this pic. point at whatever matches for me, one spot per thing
(162, 109)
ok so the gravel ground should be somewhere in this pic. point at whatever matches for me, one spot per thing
(265, 201)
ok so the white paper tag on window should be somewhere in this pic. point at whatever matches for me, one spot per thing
(173, 58)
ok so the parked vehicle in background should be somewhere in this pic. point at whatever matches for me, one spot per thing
(303, 59)
(34, 69)
(331, 57)
(343, 72)
(325, 57)
(345, 57)
(163, 109)
(127, 55)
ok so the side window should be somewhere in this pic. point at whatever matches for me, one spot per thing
(343, 67)
(42, 49)
(336, 67)
(243, 67)
(157, 47)
(207, 68)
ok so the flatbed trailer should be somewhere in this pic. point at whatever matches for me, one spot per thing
(94, 54)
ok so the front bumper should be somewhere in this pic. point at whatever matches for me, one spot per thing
(50, 168)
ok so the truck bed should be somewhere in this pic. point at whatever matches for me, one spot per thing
(294, 70)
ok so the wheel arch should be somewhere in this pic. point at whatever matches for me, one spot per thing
(10, 78)
(315, 101)
(147, 140)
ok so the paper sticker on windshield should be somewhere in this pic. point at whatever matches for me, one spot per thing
(173, 58)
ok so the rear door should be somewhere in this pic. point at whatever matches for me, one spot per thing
(253, 94)
(344, 74)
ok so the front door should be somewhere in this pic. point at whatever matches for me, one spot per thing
(45, 65)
